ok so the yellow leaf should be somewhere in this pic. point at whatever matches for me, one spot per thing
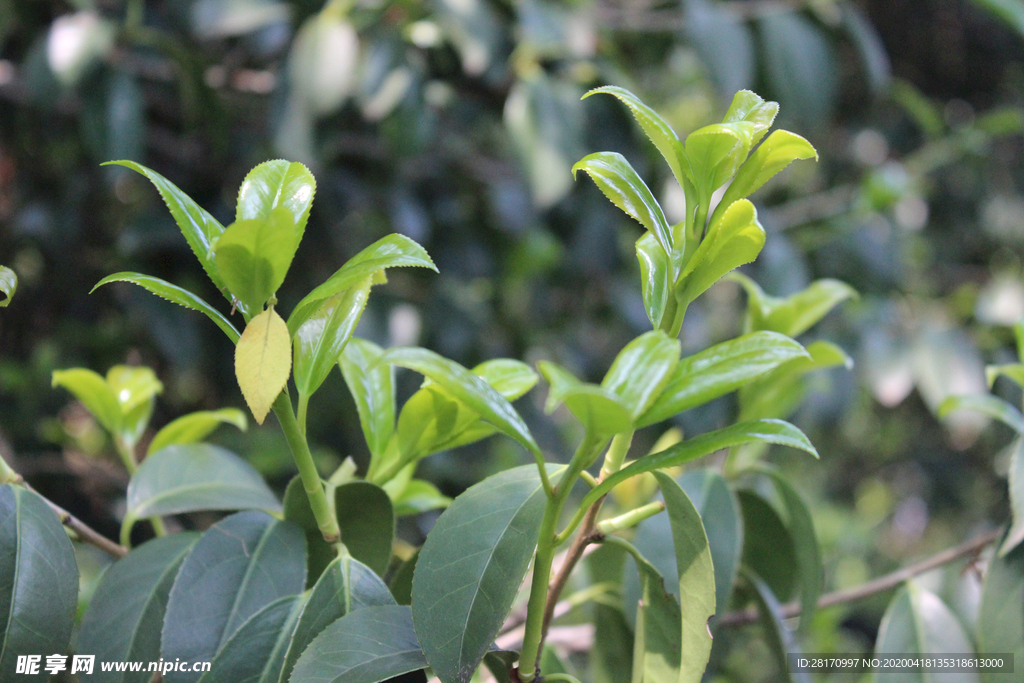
(263, 361)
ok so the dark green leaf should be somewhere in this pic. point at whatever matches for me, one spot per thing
(255, 654)
(805, 541)
(612, 662)
(1001, 615)
(253, 257)
(174, 294)
(366, 646)
(320, 340)
(392, 251)
(94, 393)
(200, 229)
(319, 553)
(345, 586)
(372, 387)
(464, 583)
(736, 238)
(992, 406)
(8, 285)
(917, 622)
(367, 522)
(620, 183)
(195, 427)
(873, 55)
(1010, 11)
(240, 565)
(401, 582)
(641, 370)
(768, 548)
(656, 128)
(720, 369)
(770, 431)
(468, 388)
(126, 613)
(696, 579)
(656, 279)
(780, 638)
(658, 634)
(599, 411)
(38, 581)
(191, 477)
(1016, 533)
(275, 184)
(709, 26)
(720, 512)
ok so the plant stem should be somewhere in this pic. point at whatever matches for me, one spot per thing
(879, 585)
(585, 537)
(303, 406)
(616, 454)
(131, 463)
(630, 519)
(311, 481)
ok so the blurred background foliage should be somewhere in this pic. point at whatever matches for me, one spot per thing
(455, 122)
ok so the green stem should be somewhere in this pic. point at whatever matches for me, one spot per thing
(630, 519)
(131, 464)
(303, 406)
(550, 678)
(311, 481)
(7, 473)
(616, 454)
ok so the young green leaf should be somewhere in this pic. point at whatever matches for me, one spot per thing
(991, 406)
(368, 646)
(464, 584)
(419, 496)
(174, 294)
(253, 257)
(1016, 533)
(796, 313)
(656, 128)
(781, 640)
(195, 427)
(1015, 371)
(778, 392)
(135, 389)
(237, 567)
(275, 184)
(367, 521)
(656, 280)
(714, 154)
(720, 369)
(126, 613)
(393, 251)
(917, 622)
(768, 546)
(346, 585)
(468, 388)
(8, 285)
(736, 238)
(776, 153)
(263, 361)
(401, 582)
(200, 229)
(372, 387)
(599, 411)
(192, 477)
(696, 579)
(320, 340)
(1001, 615)
(256, 651)
(808, 556)
(749, 106)
(510, 378)
(621, 184)
(641, 370)
(94, 393)
(39, 584)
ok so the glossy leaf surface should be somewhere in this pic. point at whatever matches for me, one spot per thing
(191, 477)
(600, 411)
(736, 238)
(372, 387)
(174, 294)
(366, 646)
(367, 521)
(196, 427)
(795, 314)
(323, 336)
(253, 257)
(620, 183)
(723, 522)
(263, 362)
(38, 581)
(92, 390)
(776, 153)
(239, 566)
(720, 369)
(274, 184)
(345, 586)
(464, 583)
(641, 370)
(656, 279)
(715, 153)
(778, 392)
(750, 107)
(126, 613)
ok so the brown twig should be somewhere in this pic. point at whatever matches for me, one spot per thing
(85, 533)
(879, 585)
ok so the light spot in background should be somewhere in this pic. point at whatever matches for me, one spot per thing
(673, 201)
(404, 325)
(425, 34)
(911, 519)
(1002, 217)
(6, 72)
(870, 147)
(911, 213)
(1001, 302)
(75, 41)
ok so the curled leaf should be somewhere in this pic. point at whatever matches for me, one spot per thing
(8, 285)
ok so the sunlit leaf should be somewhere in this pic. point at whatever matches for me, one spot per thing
(275, 184)
(655, 280)
(1014, 371)
(322, 337)
(641, 371)
(372, 387)
(263, 361)
(510, 378)
(657, 650)
(779, 392)
(714, 154)
(992, 406)
(600, 411)
(736, 238)
(750, 107)
(8, 285)
(774, 154)
(419, 496)
(94, 393)
(253, 256)
(196, 427)
(795, 314)
(174, 294)
(135, 389)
